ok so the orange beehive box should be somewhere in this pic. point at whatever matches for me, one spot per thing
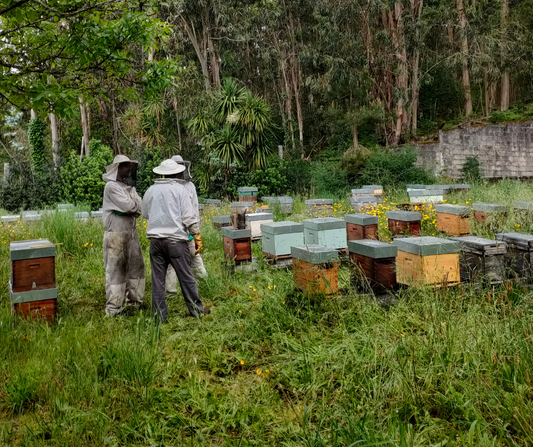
(237, 245)
(453, 219)
(361, 226)
(315, 269)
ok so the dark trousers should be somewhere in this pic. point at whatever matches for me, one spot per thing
(162, 253)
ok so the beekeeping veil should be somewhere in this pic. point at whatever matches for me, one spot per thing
(187, 174)
(122, 170)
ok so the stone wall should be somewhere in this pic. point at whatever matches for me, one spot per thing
(504, 150)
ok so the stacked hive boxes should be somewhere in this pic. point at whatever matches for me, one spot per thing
(247, 194)
(280, 237)
(284, 203)
(426, 196)
(254, 222)
(519, 256)
(33, 284)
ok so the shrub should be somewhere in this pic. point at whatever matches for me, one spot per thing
(36, 130)
(269, 181)
(81, 181)
(471, 169)
(328, 179)
(148, 159)
(298, 174)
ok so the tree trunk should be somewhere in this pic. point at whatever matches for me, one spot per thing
(506, 84)
(55, 139)
(416, 12)
(401, 79)
(33, 115)
(295, 86)
(355, 138)
(84, 126)
(176, 111)
(200, 48)
(464, 56)
(116, 147)
(215, 66)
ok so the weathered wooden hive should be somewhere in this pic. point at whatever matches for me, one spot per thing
(364, 203)
(247, 194)
(33, 282)
(482, 260)
(459, 187)
(426, 196)
(222, 221)
(319, 207)
(427, 261)
(404, 223)
(254, 221)
(97, 214)
(315, 269)
(453, 219)
(238, 210)
(378, 191)
(489, 212)
(362, 192)
(82, 215)
(212, 203)
(326, 231)
(279, 237)
(361, 226)
(201, 208)
(519, 256)
(237, 244)
(64, 206)
(523, 212)
(10, 219)
(377, 260)
(284, 203)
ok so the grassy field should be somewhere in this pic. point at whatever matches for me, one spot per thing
(269, 366)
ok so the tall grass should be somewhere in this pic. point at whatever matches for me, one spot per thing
(269, 366)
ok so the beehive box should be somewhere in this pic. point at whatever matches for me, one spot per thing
(326, 231)
(453, 219)
(427, 261)
(33, 272)
(460, 187)
(212, 203)
(6, 220)
(315, 269)
(254, 221)
(319, 205)
(222, 221)
(240, 207)
(361, 226)
(363, 203)
(248, 194)
(481, 260)
(279, 237)
(489, 212)
(237, 245)
(357, 193)
(426, 196)
(82, 215)
(416, 186)
(65, 206)
(377, 260)
(97, 214)
(378, 189)
(201, 208)
(404, 223)
(519, 256)
(284, 203)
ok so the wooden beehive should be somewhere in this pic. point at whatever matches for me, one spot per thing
(254, 221)
(284, 203)
(319, 206)
(212, 203)
(523, 212)
(363, 192)
(363, 203)
(326, 231)
(519, 255)
(237, 245)
(453, 219)
(482, 260)
(247, 194)
(427, 261)
(279, 237)
(426, 196)
(404, 223)
(459, 187)
(489, 213)
(315, 269)
(377, 260)
(361, 226)
(378, 191)
(222, 221)
(33, 283)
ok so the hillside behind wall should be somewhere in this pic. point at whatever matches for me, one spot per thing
(504, 150)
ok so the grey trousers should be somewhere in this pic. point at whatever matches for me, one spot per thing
(165, 252)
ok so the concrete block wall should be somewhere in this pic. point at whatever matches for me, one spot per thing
(504, 150)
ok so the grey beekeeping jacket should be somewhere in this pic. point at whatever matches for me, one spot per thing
(191, 190)
(121, 198)
(169, 211)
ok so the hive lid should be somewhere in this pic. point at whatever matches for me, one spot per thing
(489, 207)
(314, 254)
(82, 215)
(65, 206)
(212, 202)
(32, 217)
(29, 213)
(226, 219)
(363, 191)
(371, 199)
(458, 210)
(319, 202)
(425, 192)
(372, 187)
(528, 206)
(32, 295)
(247, 189)
(284, 227)
(517, 239)
(38, 248)
(478, 243)
(427, 245)
(415, 186)
(97, 214)
(12, 218)
(361, 219)
(242, 204)
(282, 199)
(232, 233)
(372, 249)
(460, 186)
(259, 216)
(201, 206)
(324, 223)
(406, 216)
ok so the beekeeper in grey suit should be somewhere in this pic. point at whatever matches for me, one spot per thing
(197, 263)
(123, 260)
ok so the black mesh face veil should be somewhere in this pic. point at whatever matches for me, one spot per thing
(127, 173)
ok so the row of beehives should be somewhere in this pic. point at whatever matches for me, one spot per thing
(31, 216)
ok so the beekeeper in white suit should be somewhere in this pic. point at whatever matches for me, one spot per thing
(197, 263)
(123, 260)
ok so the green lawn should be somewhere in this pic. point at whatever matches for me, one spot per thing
(269, 366)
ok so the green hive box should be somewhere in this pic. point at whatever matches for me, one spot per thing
(33, 295)
(427, 245)
(247, 191)
(314, 254)
(37, 248)
(280, 237)
(235, 234)
(326, 231)
(372, 249)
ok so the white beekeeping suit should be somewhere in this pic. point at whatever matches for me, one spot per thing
(124, 264)
(197, 263)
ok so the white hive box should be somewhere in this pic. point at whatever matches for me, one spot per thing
(426, 196)
(254, 221)
(279, 237)
(326, 231)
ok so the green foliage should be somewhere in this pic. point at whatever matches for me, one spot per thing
(148, 159)
(299, 175)
(518, 112)
(36, 130)
(393, 169)
(19, 392)
(81, 181)
(471, 169)
(269, 181)
(353, 159)
(329, 180)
